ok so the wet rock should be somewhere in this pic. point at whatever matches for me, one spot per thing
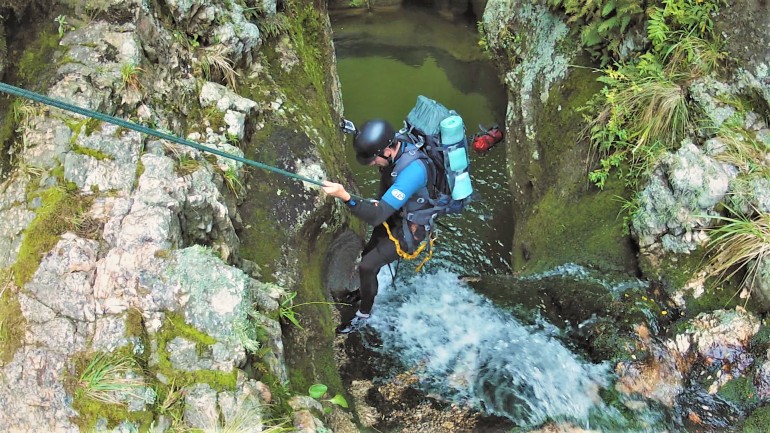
(706, 410)
(368, 416)
(722, 328)
(658, 377)
(762, 381)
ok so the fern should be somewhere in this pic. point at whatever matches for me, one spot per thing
(590, 35)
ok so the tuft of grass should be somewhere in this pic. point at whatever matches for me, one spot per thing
(215, 64)
(188, 164)
(108, 378)
(129, 74)
(743, 150)
(242, 420)
(232, 180)
(739, 245)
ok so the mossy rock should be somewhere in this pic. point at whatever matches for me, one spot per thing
(560, 218)
(12, 323)
(758, 421)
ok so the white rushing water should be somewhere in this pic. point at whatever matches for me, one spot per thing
(468, 350)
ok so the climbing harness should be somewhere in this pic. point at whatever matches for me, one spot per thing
(16, 91)
(404, 255)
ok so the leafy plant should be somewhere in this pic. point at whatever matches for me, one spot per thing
(643, 109)
(61, 20)
(601, 23)
(273, 26)
(110, 377)
(644, 113)
(318, 390)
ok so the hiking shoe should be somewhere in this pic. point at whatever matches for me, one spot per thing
(354, 325)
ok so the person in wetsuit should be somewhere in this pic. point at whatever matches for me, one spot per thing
(376, 145)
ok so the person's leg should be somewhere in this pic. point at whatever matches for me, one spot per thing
(382, 252)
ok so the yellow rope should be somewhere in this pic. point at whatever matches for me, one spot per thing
(403, 254)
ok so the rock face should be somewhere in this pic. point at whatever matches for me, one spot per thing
(144, 269)
(545, 145)
(677, 201)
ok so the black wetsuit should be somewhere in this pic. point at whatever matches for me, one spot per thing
(379, 250)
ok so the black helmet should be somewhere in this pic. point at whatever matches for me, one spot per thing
(374, 136)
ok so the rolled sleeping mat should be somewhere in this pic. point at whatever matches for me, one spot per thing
(463, 187)
(452, 130)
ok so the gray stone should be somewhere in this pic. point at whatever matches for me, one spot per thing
(224, 99)
(57, 335)
(34, 311)
(47, 138)
(679, 198)
(269, 7)
(14, 218)
(32, 394)
(114, 172)
(200, 406)
(64, 279)
(183, 355)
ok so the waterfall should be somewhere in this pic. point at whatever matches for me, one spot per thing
(468, 350)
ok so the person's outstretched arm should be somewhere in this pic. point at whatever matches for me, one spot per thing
(371, 212)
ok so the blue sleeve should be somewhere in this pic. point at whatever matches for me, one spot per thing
(409, 181)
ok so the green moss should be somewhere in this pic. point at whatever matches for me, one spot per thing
(740, 391)
(91, 411)
(139, 172)
(758, 421)
(564, 227)
(34, 65)
(93, 153)
(8, 123)
(262, 243)
(559, 218)
(135, 328)
(312, 361)
(760, 342)
(175, 326)
(57, 215)
(12, 323)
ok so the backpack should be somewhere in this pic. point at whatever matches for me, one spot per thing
(439, 134)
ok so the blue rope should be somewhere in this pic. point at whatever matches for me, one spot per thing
(7, 88)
